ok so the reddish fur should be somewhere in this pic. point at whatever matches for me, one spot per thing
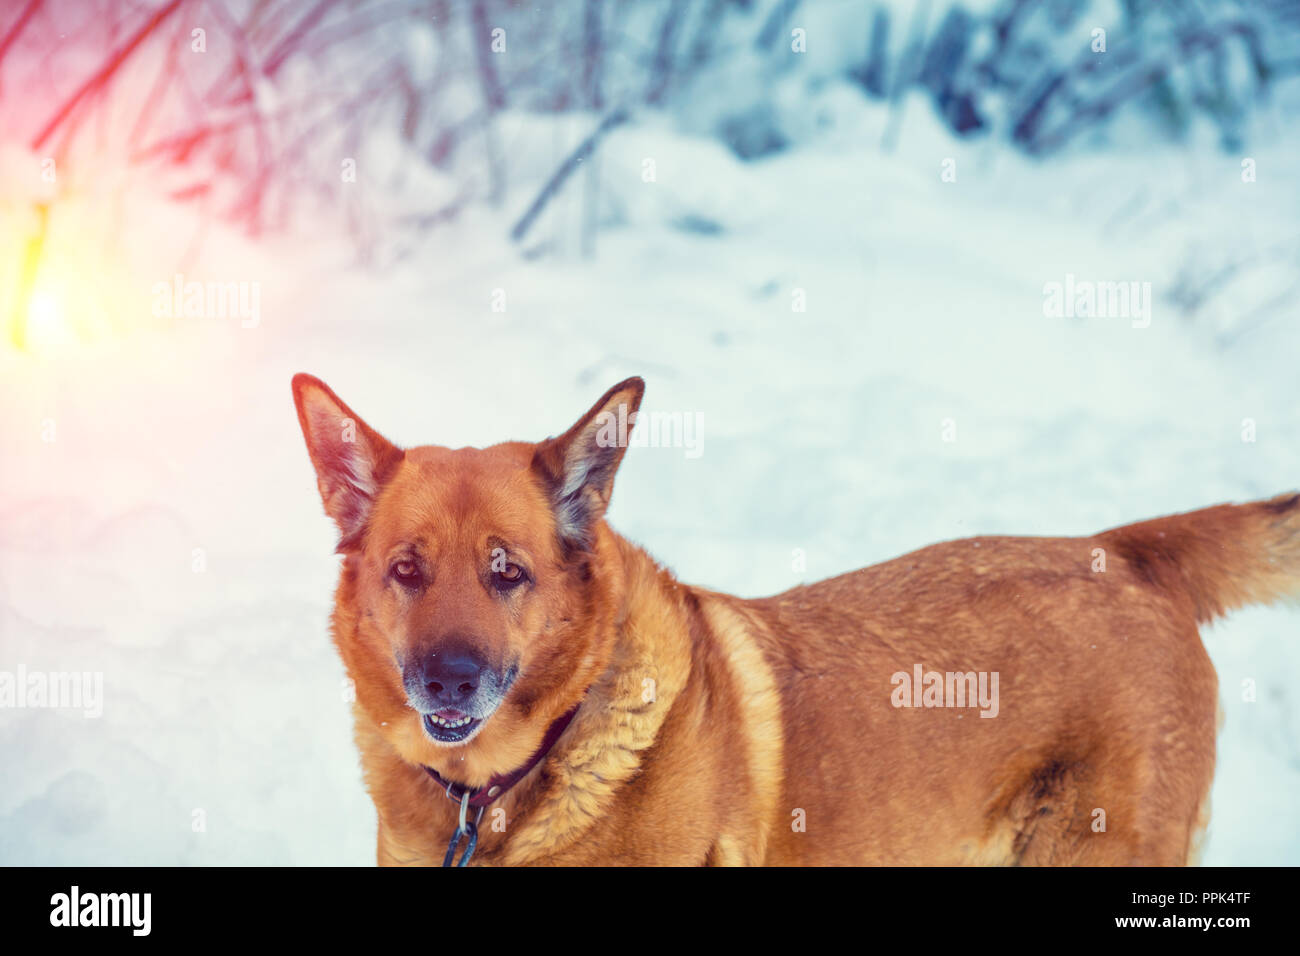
(770, 707)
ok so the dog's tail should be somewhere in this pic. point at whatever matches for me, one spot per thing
(1221, 558)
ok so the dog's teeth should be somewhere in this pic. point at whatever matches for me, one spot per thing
(450, 724)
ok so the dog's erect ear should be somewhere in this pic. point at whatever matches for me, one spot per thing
(578, 467)
(352, 460)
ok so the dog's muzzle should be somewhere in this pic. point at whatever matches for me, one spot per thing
(455, 691)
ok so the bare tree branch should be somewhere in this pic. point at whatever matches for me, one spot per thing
(662, 71)
(23, 18)
(105, 73)
(566, 169)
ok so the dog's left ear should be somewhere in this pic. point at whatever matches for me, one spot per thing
(352, 460)
(578, 467)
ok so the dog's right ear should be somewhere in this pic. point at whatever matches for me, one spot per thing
(351, 459)
(579, 466)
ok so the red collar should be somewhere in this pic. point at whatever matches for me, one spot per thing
(499, 784)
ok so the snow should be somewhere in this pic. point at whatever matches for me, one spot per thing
(822, 431)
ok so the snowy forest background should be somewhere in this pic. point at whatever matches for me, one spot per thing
(822, 227)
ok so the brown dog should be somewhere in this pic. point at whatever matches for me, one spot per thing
(993, 700)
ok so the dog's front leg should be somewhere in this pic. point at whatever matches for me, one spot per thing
(391, 852)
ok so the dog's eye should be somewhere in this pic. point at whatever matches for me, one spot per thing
(512, 575)
(406, 571)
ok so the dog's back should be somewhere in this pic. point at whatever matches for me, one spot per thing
(1096, 744)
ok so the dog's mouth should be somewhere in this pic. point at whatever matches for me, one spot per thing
(451, 726)
(448, 725)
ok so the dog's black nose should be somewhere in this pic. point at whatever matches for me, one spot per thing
(452, 676)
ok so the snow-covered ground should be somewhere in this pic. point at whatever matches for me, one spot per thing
(823, 430)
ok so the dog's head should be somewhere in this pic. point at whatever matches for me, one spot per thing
(472, 610)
